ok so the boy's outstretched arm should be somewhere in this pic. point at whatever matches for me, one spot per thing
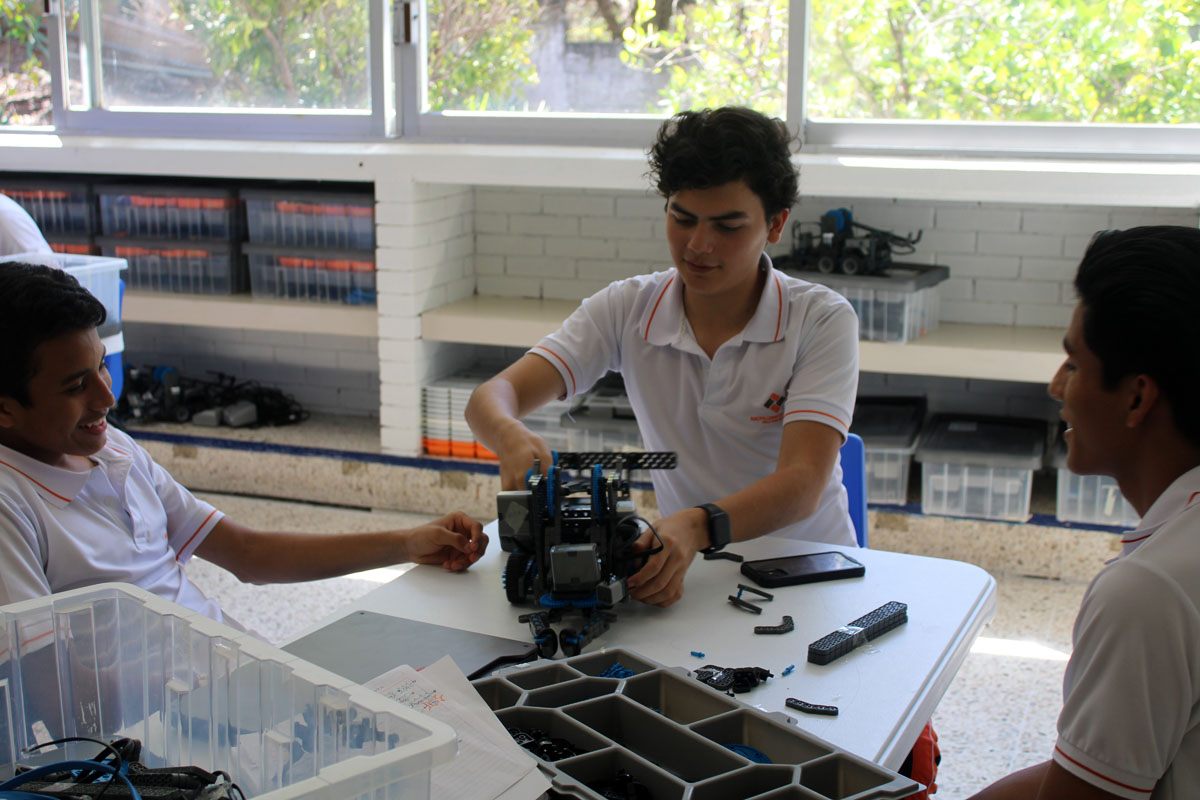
(790, 494)
(495, 410)
(454, 541)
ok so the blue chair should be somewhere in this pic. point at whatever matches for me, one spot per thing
(114, 361)
(854, 478)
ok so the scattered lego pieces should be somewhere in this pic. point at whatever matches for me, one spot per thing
(745, 606)
(732, 679)
(787, 670)
(834, 645)
(787, 626)
(697, 654)
(722, 554)
(617, 670)
(811, 708)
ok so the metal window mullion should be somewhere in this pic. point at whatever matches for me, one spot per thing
(379, 65)
(409, 67)
(91, 66)
(56, 41)
(795, 102)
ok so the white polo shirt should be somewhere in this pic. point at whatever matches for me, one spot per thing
(126, 519)
(18, 232)
(797, 359)
(1130, 722)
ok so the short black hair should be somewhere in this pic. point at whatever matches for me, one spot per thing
(37, 304)
(1139, 290)
(713, 147)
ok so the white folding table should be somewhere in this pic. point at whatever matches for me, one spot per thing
(886, 690)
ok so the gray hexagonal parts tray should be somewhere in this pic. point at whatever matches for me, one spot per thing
(672, 734)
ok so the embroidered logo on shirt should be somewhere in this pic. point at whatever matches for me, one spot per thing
(775, 402)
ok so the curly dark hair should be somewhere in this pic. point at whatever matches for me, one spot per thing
(712, 147)
(37, 303)
(1138, 289)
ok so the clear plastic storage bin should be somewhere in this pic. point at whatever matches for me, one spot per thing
(169, 212)
(100, 275)
(310, 219)
(979, 467)
(672, 734)
(888, 427)
(1090, 499)
(896, 306)
(178, 266)
(602, 420)
(324, 276)
(55, 207)
(113, 660)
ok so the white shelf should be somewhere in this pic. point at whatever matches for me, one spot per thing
(394, 165)
(505, 321)
(955, 350)
(243, 311)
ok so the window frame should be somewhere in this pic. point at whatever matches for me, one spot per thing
(397, 86)
(255, 123)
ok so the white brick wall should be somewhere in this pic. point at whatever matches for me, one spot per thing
(428, 239)
(1009, 264)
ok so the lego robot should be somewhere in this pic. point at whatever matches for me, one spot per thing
(570, 535)
(842, 245)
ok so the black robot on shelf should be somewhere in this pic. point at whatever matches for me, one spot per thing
(570, 535)
(839, 244)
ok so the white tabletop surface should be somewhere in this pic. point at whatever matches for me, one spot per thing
(886, 690)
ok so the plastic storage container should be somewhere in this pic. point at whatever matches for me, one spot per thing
(1089, 499)
(100, 275)
(888, 427)
(72, 244)
(310, 219)
(444, 429)
(196, 267)
(55, 207)
(979, 467)
(672, 734)
(602, 420)
(169, 212)
(114, 660)
(299, 273)
(896, 306)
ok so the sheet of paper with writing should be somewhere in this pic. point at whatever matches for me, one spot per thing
(489, 763)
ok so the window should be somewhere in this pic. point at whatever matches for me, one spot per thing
(1072, 74)
(210, 66)
(25, 83)
(945, 76)
(530, 68)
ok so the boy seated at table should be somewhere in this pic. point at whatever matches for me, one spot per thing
(747, 373)
(82, 503)
(1130, 390)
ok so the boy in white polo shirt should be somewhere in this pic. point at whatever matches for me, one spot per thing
(82, 504)
(1130, 390)
(748, 374)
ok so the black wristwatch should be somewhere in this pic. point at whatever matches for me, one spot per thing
(718, 527)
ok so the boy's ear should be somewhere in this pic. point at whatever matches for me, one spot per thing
(775, 225)
(7, 406)
(1143, 396)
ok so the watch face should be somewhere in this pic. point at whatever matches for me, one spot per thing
(718, 527)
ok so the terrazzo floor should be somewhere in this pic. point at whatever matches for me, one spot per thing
(998, 715)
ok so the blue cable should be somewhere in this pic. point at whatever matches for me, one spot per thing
(65, 766)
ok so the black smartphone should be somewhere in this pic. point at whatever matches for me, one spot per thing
(806, 568)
